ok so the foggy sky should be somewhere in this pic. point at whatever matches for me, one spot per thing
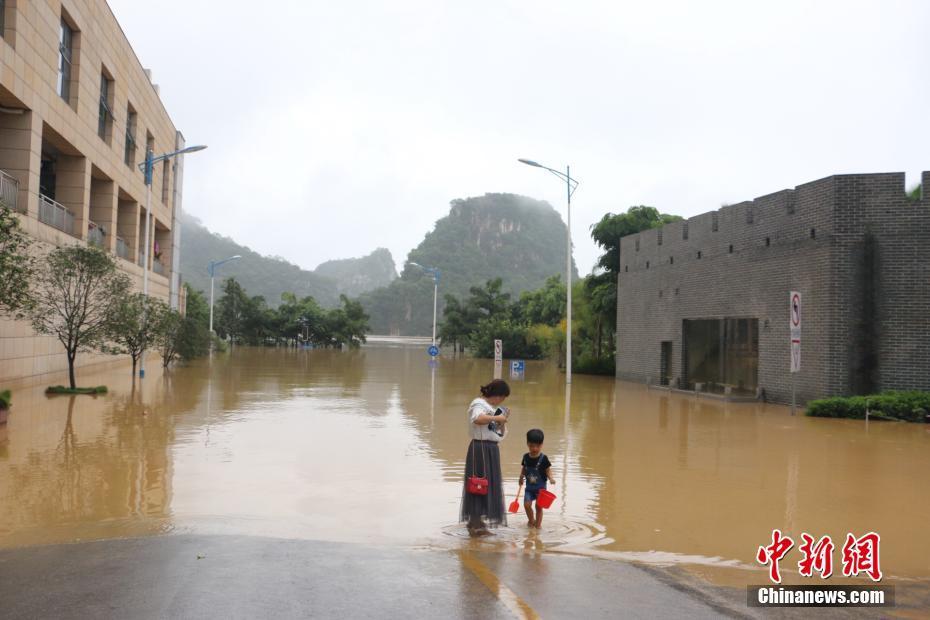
(338, 127)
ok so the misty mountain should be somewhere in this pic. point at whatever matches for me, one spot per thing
(516, 238)
(269, 276)
(354, 276)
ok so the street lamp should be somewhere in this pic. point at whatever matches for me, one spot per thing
(435, 274)
(212, 269)
(570, 185)
(148, 167)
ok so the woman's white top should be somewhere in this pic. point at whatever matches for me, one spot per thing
(481, 431)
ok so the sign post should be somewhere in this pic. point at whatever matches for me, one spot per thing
(498, 359)
(794, 323)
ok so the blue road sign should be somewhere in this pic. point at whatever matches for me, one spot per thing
(517, 366)
(433, 351)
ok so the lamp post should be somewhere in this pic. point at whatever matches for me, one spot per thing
(570, 186)
(148, 167)
(212, 269)
(435, 274)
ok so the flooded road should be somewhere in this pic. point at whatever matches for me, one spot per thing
(368, 446)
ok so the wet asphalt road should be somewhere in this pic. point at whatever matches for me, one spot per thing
(249, 577)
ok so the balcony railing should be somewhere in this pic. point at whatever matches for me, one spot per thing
(9, 191)
(159, 267)
(95, 235)
(122, 248)
(55, 214)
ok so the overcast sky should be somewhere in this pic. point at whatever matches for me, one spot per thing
(338, 127)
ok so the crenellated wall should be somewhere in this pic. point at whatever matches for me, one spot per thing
(742, 260)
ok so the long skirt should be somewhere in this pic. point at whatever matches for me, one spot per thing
(483, 459)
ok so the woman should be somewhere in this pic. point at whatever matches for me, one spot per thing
(487, 423)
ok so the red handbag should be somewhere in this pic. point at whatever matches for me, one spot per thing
(477, 485)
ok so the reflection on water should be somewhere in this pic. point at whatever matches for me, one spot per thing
(368, 446)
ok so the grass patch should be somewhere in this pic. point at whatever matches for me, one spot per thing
(902, 406)
(60, 389)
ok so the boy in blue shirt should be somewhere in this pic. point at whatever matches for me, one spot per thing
(536, 469)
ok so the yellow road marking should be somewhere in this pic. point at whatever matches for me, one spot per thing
(514, 604)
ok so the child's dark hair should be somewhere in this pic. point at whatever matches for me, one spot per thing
(535, 435)
(498, 387)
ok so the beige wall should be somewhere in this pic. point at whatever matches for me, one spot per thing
(93, 180)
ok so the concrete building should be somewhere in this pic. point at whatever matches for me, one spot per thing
(704, 302)
(77, 114)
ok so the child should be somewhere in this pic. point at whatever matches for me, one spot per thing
(536, 470)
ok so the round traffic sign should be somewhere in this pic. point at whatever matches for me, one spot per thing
(795, 309)
(433, 350)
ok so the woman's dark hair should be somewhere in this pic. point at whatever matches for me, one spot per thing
(535, 435)
(498, 387)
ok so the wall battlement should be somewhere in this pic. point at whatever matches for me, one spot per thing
(817, 208)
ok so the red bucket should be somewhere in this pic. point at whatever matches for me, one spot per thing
(545, 498)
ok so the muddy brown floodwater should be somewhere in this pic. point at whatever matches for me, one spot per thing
(368, 446)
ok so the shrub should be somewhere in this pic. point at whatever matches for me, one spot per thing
(588, 364)
(60, 389)
(6, 399)
(910, 406)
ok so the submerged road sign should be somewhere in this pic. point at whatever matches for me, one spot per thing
(498, 350)
(794, 310)
(433, 351)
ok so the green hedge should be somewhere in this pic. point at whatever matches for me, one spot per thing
(6, 399)
(907, 406)
(60, 389)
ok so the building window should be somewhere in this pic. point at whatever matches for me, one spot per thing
(699, 255)
(813, 233)
(647, 264)
(731, 248)
(2, 16)
(671, 260)
(626, 269)
(130, 154)
(65, 60)
(715, 223)
(637, 244)
(684, 231)
(768, 242)
(659, 236)
(105, 117)
(750, 216)
(165, 173)
(790, 205)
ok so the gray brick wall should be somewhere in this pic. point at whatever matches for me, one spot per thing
(827, 239)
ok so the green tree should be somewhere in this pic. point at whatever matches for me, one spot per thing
(488, 300)
(544, 306)
(457, 323)
(607, 232)
(135, 325)
(232, 312)
(78, 291)
(168, 335)
(348, 324)
(16, 265)
(516, 339)
(192, 335)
